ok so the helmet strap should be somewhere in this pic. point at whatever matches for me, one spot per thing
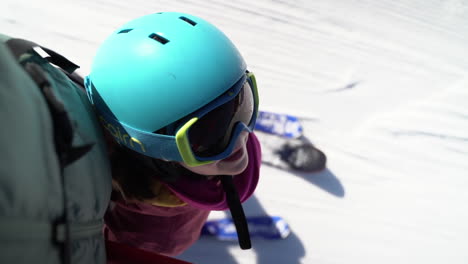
(237, 212)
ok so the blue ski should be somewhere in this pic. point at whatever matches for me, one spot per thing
(266, 227)
(280, 124)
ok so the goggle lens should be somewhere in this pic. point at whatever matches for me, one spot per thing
(213, 132)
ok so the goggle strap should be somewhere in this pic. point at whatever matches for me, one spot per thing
(149, 144)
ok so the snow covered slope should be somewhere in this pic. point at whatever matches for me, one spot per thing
(385, 87)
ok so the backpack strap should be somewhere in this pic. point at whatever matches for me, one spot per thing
(20, 229)
(19, 47)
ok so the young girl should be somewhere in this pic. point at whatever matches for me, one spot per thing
(178, 106)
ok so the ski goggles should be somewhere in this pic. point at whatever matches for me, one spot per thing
(211, 132)
(207, 135)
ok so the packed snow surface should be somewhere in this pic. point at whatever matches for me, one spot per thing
(383, 89)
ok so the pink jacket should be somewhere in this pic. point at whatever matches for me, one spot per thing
(171, 230)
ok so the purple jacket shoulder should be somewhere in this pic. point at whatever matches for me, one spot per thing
(171, 230)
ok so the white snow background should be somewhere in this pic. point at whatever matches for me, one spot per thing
(384, 88)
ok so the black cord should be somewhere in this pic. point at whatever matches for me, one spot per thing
(237, 212)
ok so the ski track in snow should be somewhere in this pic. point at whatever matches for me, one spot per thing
(383, 87)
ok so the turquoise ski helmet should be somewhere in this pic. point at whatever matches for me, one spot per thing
(157, 69)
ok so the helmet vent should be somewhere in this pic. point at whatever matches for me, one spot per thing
(125, 30)
(191, 22)
(159, 38)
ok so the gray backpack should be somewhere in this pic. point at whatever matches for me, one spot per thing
(55, 179)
